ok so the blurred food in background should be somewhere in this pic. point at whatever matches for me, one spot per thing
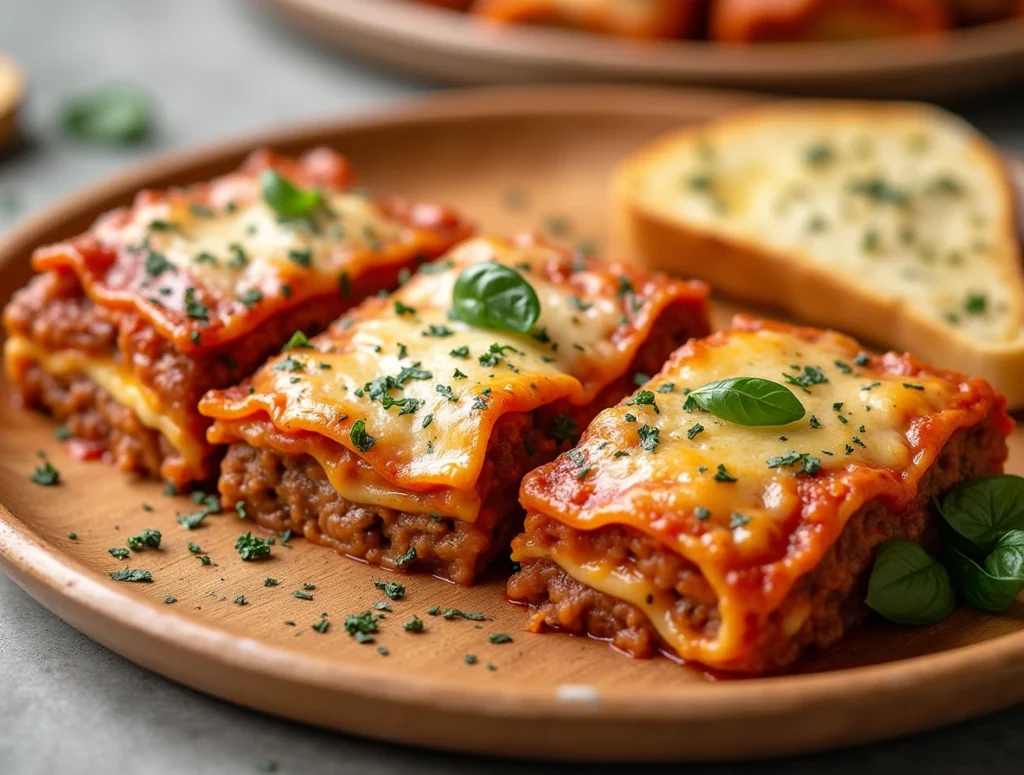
(11, 90)
(744, 21)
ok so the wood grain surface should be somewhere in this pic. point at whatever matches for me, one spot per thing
(437, 43)
(548, 695)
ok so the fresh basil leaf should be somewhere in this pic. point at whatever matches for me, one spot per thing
(1007, 559)
(117, 115)
(978, 586)
(285, 198)
(747, 401)
(981, 511)
(493, 295)
(908, 585)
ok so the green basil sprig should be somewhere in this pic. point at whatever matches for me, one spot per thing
(995, 586)
(909, 586)
(286, 199)
(981, 511)
(983, 549)
(747, 401)
(493, 295)
(116, 115)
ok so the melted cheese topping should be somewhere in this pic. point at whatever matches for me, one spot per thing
(754, 508)
(429, 389)
(120, 383)
(907, 210)
(209, 263)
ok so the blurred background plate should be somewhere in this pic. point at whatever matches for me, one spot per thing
(439, 44)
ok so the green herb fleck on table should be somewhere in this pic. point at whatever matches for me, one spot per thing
(362, 626)
(112, 115)
(250, 547)
(129, 574)
(46, 475)
(391, 589)
(147, 539)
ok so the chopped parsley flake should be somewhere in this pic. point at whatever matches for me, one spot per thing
(808, 464)
(563, 427)
(500, 637)
(723, 475)
(195, 309)
(413, 625)
(270, 581)
(146, 539)
(912, 386)
(251, 298)
(118, 553)
(649, 437)
(289, 364)
(300, 595)
(738, 520)
(811, 375)
(362, 440)
(644, 398)
(45, 474)
(406, 558)
(391, 589)
(438, 331)
(250, 547)
(455, 613)
(694, 430)
(362, 626)
(975, 303)
(129, 574)
(701, 513)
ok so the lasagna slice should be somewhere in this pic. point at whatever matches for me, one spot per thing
(400, 436)
(126, 326)
(737, 546)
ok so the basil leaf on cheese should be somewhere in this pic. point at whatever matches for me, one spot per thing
(286, 199)
(491, 295)
(747, 401)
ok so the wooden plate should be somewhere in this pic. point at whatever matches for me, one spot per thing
(550, 695)
(455, 47)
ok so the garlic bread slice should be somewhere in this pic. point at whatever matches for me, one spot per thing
(895, 222)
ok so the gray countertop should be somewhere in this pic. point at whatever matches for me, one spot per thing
(219, 67)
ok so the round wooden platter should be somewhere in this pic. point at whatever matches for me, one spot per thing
(442, 44)
(511, 159)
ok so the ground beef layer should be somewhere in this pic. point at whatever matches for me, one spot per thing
(835, 590)
(292, 492)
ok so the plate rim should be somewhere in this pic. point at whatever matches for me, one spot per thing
(71, 590)
(814, 62)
